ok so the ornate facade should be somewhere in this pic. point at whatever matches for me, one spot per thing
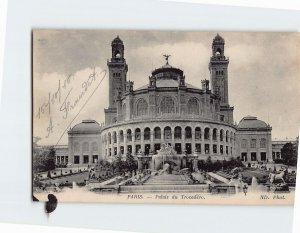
(191, 119)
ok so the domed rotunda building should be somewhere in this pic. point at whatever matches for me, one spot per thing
(193, 120)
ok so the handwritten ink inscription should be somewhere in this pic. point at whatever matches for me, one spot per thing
(69, 96)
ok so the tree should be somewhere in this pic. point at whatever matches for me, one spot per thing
(117, 163)
(289, 154)
(202, 165)
(130, 162)
(234, 162)
(43, 159)
(209, 164)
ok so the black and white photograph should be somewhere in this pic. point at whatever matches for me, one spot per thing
(172, 117)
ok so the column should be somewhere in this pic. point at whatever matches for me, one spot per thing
(182, 140)
(118, 142)
(193, 140)
(151, 140)
(142, 141)
(172, 138)
(202, 141)
(133, 143)
(218, 143)
(90, 154)
(125, 143)
(210, 142)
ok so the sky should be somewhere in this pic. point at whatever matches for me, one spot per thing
(70, 74)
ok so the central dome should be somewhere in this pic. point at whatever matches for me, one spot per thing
(167, 76)
(167, 72)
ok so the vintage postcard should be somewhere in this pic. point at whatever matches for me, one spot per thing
(181, 117)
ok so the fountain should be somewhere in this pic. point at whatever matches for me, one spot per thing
(167, 155)
(254, 184)
(75, 186)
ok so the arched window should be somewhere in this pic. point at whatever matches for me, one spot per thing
(214, 134)
(147, 133)
(253, 143)
(226, 136)
(117, 54)
(167, 133)
(244, 143)
(76, 147)
(193, 106)
(188, 132)
(198, 133)
(206, 133)
(137, 134)
(85, 147)
(121, 136)
(231, 137)
(109, 138)
(263, 143)
(177, 132)
(141, 107)
(221, 135)
(129, 135)
(157, 133)
(167, 105)
(94, 147)
(114, 137)
(202, 106)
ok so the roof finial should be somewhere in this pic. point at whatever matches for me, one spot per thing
(167, 58)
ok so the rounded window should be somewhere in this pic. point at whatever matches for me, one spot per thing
(141, 108)
(167, 105)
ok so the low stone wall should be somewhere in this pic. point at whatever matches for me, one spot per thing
(165, 188)
(61, 172)
(213, 157)
(217, 189)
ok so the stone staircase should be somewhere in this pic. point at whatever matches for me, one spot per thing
(166, 183)
(167, 179)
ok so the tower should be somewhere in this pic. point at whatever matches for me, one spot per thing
(218, 68)
(117, 72)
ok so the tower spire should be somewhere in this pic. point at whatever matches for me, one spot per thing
(117, 71)
(218, 68)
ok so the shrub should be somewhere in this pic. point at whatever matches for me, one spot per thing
(277, 161)
(209, 165)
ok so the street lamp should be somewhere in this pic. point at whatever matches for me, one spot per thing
(245, 189)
